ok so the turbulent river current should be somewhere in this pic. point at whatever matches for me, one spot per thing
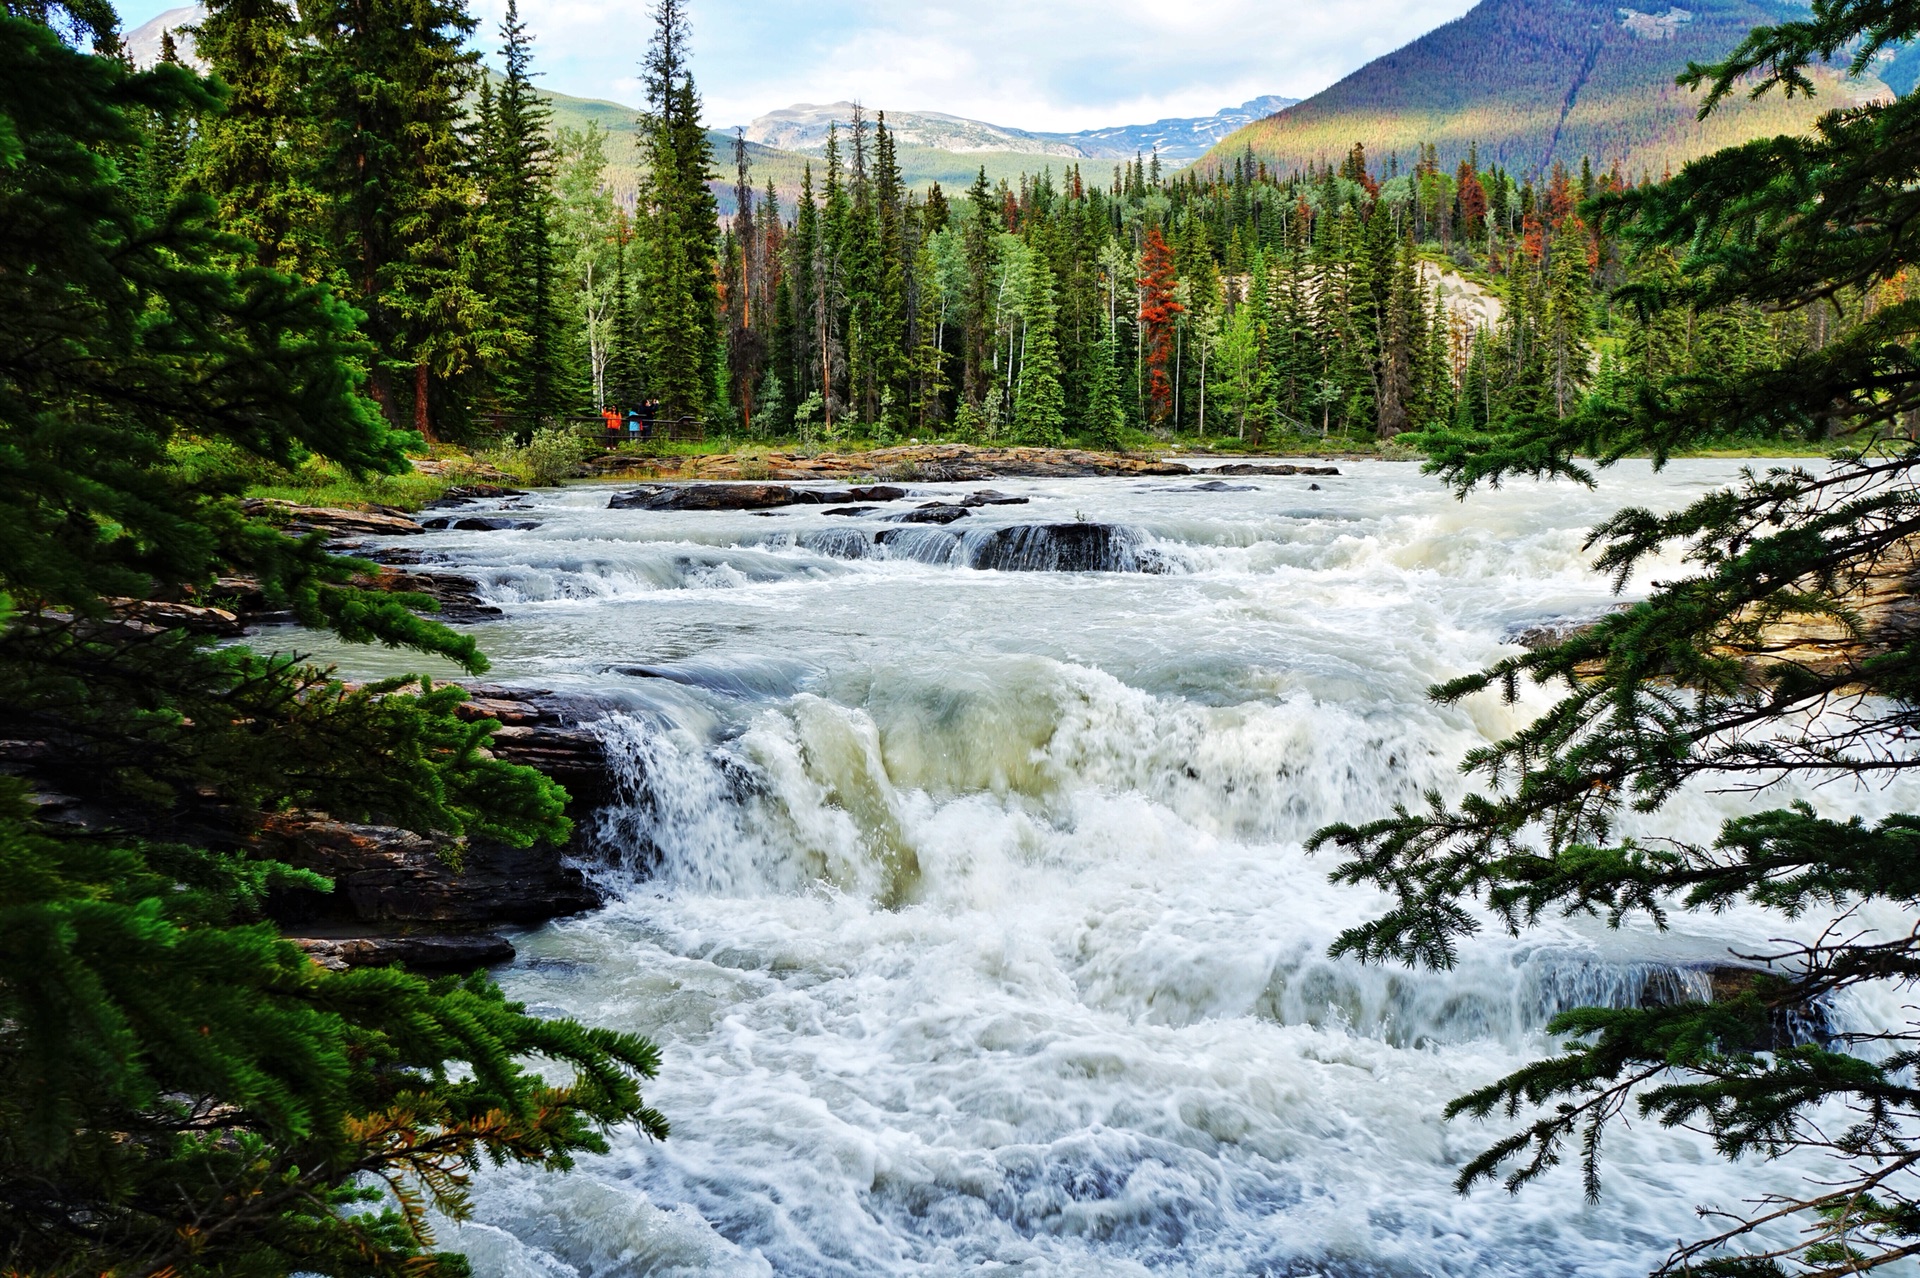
(964, 891)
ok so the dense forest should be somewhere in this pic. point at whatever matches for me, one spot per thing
(508, 284)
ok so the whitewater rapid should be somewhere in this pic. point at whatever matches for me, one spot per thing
(969, 906)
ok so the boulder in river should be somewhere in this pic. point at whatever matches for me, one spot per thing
(1272, 468)
(462, 494)
(1075, 547)
(477, 523)
(1217, 486)
(988, 497)
(746, 496)
(932, 513)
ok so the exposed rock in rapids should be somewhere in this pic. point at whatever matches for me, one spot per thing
(1076, 547)
(384, 875)
(432, 952)
(243, 599)
(462, 494)
(1270, 468)
(476, 523)
(851, 510)
(458, 596)
(746, 496)
(543, 730)
(1787, 1026)
(1546, 634)
(988, 497)
(1217, 486)
(934, 512)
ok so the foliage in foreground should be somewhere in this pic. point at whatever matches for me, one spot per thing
(1695, 686)
(182, 1091)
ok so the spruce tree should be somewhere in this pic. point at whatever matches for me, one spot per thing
(251, 154)
(978, 237)
(1039, 406)
(387, 80)
(182, 1091)
(1704, 684)
(516, 181)
(679, 222)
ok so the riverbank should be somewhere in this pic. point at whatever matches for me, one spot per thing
(452, 475)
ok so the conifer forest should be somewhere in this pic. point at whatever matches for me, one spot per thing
(529, 747)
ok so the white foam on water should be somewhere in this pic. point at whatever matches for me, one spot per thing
(970, 907)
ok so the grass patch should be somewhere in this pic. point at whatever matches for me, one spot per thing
(410, 491)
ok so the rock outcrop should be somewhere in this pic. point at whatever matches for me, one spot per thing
(335, 524)
(391, 878)
(430, 953)
(403, 897)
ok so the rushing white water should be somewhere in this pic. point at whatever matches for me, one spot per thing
(970, 910)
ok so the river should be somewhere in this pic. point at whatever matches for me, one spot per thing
(969, 906)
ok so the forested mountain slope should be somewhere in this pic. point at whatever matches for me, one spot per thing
(1533, 82)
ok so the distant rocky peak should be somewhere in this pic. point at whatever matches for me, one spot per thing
(1650, 26)
(144, 41)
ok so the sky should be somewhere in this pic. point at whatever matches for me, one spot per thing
(1049, 65)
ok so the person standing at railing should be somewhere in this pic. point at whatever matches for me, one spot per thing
(633, 425)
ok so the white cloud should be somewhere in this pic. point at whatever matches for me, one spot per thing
(1038, 64)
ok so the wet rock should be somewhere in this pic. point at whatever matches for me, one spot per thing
(1269, 468)
(1788, 1024)
(478, 523)
(931, 513)
(543, 730)
(179, 616)
(1313, 488)
(1547, 634)
(988, 497)
(462, 494)
(746, 496)
(1216, 486)
(851, 510)
(429, 952)
(1075, 547)
(385, 875)
(458, 596)
(301, 520)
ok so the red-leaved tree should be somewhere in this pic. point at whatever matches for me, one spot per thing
(1157, 311)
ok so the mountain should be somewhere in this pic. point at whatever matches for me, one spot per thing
(143, 42)
(803, 127)
(1539, 81)
(933, 148)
